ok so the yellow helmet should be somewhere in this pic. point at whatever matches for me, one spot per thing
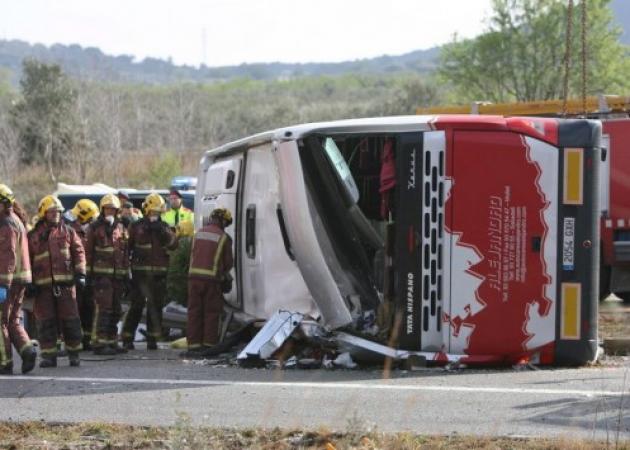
(153, 203)
(46, 203)
(185, 228)
(85, 210)
(222, 214)
(110, 201)
(6, 194)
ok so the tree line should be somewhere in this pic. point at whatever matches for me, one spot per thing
(58, 128)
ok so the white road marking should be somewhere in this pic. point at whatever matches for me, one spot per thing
(379, 385)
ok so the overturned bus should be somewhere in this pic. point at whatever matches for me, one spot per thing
(473, 238)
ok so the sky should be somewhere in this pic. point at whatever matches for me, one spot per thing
(230, 32)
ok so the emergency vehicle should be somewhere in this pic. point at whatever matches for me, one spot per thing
(614, 177)
(480, 233)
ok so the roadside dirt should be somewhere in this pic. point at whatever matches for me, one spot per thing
(35, 435)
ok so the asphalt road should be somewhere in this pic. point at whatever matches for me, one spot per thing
(158, 389)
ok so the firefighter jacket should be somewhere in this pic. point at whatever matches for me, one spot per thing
(106, 249)
(174, 216)
(57, 254)
(211, 256)
(15, 265)
(149, 243)
(76, 226)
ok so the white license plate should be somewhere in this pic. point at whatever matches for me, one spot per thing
(568, 244)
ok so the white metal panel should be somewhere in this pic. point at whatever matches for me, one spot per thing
(542, 328)
(270, 279)
(301, 231)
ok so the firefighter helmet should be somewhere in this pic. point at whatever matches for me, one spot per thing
(110, 201)
(185, 228)
(46, 203)
(85, 210)
(6, 194)
(153, 203)
(222, 214)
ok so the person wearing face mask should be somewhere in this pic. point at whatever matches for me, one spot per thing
(58, 264)
(80, 217)
(150, 239)
(108, 268)
(15, 274)
(129, 214)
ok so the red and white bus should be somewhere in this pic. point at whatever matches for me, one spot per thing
(480, 234)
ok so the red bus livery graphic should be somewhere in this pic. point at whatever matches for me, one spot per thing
(499, 218)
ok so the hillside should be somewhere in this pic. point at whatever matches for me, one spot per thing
(92, 63)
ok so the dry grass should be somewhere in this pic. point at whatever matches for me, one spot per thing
(36, 435)
(614, 320)
(134, 170)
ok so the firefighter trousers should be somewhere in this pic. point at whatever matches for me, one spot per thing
(205, 303)
(149, 290)
(57, 315)
(12, 330)
(108, 293)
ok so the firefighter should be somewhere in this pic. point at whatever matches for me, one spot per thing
(80, 217)
(108, 267)
(177, 212)
(58, 263)
(128, 213)
(179, 260)
(210, 264)
(15, 274)
(150, 239)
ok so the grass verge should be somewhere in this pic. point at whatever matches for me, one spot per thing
(38, 435)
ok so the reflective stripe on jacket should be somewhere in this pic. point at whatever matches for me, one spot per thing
(173, 217)
(56, 252)
(211, 256)
(15, 265)
(106, 249)
(148, 247)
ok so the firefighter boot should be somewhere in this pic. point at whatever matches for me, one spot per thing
(151, 343)
(104, 350)
(74, 359)
(29, 355)
(87, 342)
(7, 369)
(48, 361)
(118, 349)
(192, 353)
(128, 345)
(216, 349)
